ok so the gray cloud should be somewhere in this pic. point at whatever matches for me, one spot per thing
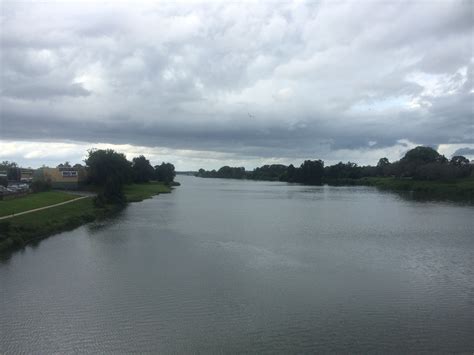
(464, 152)
(270, 80)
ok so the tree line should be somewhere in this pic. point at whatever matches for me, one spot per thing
(421, 163)
(108, 169)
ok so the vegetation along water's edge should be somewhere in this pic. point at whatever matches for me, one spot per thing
(454, 190)
(18, 231)
(422, 171)
(111, 181)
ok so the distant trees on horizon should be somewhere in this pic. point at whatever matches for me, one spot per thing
(422, 163)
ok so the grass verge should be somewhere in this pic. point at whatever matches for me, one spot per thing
(32, 201)
(140, 192)
(18, 231)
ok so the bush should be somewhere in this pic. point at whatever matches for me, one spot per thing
(4, 228)
(113, 192)
(99, 201)
(40, 185)
(165, 172)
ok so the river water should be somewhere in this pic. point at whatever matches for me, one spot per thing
(243, 266)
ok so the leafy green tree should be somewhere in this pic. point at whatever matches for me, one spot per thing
(272, 172)
(459, 160)
(102, 164)
(142, 169)
(14, 174)
(113, 190)
(229, 172)
(382, 166)
(165, 172)
(417, 157)
(5, 165)
(383, 162)
(12, 169)
(343, 171)
(422, 155)
(311, 171)
(291, 173)
(111, 170)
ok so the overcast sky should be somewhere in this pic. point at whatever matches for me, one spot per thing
(240, 83)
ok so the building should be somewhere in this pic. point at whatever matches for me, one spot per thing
(66, 178)
(26, 175)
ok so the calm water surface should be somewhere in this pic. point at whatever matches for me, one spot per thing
(242, 266)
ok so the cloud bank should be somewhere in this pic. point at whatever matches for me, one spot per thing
(242, 82)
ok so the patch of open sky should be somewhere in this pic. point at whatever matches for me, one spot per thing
(389, 104)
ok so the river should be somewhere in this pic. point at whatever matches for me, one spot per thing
(244, 266)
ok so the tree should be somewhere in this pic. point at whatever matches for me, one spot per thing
(459, 160)
(12, 170)
(383, 162)
(165, 172)
(382, 166)
(417, 157)
(113, 191)
(102, 164)
(14, 174)
(142, 169)
(311, 171)
(270, 172)
(291, 173)
(65, 165)
(111, 170)
(421, 155)
(229, 172)
(5, 165)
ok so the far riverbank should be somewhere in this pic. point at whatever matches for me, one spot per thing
(451, 190)
(455, 189)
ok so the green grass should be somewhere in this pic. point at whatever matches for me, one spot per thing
(140, 192)
(18, 231)
(32, 201)
(458, 189)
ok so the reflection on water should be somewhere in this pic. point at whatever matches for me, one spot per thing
(240, 266)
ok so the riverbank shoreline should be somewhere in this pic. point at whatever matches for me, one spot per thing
(456, 189)
(450, 190)
(19, 231)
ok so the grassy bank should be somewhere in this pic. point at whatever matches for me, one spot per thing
(459, 189)
(32, 201)
(140, 192)
(18, 231)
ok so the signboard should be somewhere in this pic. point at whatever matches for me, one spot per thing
(69, 173)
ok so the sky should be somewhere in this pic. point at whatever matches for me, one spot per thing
(206, 84)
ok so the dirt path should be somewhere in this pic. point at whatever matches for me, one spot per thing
(43, 208)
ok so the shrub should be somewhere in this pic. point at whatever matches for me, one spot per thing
(4, 228)
(40, 185)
